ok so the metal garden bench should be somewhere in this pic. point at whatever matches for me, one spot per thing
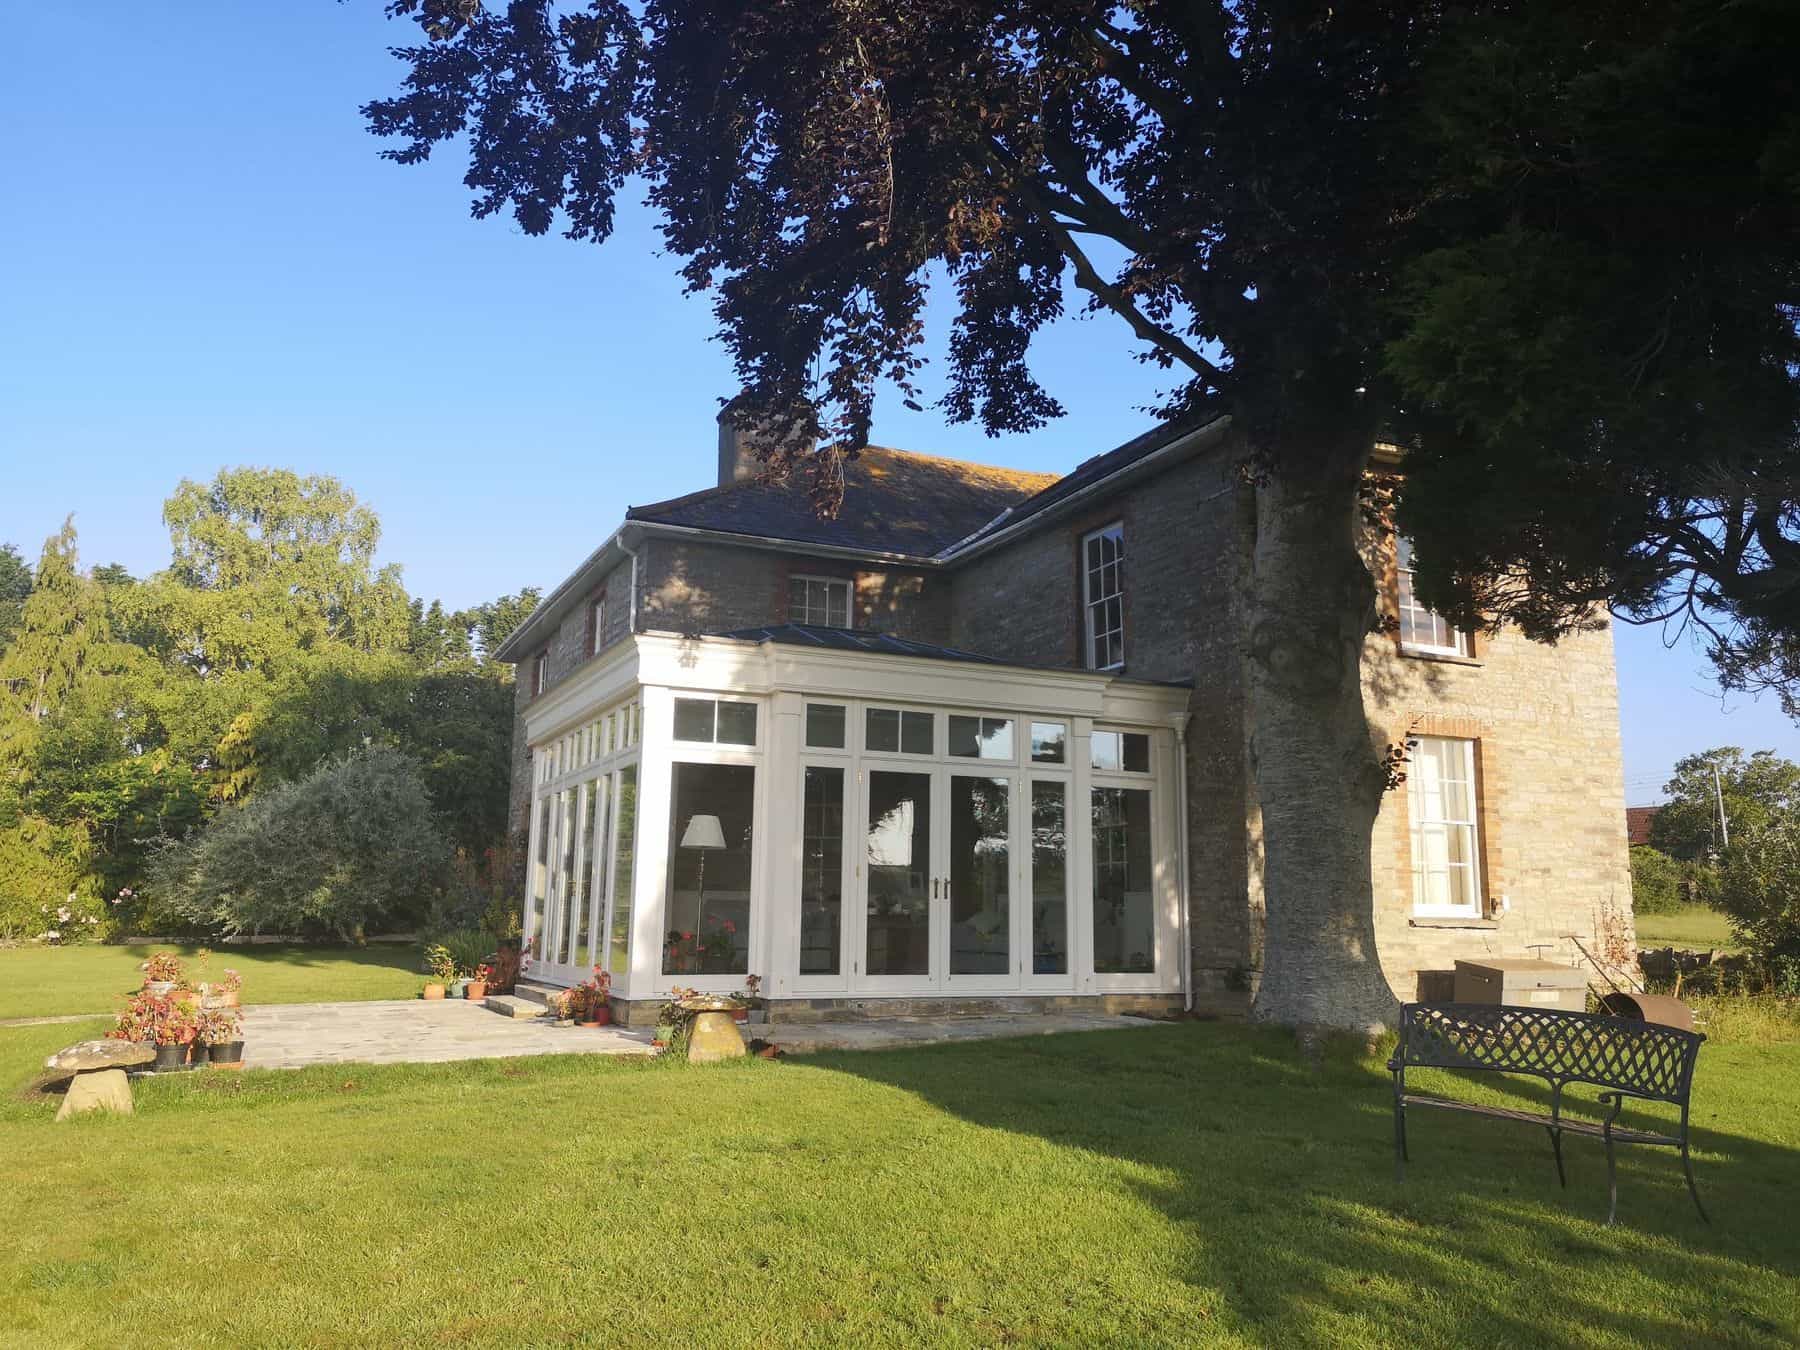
(1628, 1060)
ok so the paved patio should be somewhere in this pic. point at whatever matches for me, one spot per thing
(413, 1031)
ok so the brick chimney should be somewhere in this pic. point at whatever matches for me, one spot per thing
(737, 448)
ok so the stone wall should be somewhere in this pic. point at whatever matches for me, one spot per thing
(691, 586)
(1186, 541)
(1545, 719)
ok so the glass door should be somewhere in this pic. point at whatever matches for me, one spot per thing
(978, 873)
(899, 884)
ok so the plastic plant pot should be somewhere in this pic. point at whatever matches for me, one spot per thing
(231, 1052)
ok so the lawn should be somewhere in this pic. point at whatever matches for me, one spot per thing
(1695, 926)
(55, 981)
(1171, 1185)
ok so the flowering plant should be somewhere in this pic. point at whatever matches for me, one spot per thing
(752, 990)
(440, 963)
(162, 966)
(156, 1018)
(231, 983)
(589, 997)
(221, 1026)
(484, 973)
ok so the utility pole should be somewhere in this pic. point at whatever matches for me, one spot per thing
(1719, 797)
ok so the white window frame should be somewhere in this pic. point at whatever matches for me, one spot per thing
(1091, 603)
(540, 672)
(808, 581)
(1415, 826)
(1406, 601)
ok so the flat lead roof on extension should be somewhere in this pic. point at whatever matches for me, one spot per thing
(885, 644)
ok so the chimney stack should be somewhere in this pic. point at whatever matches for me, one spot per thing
(737, 447)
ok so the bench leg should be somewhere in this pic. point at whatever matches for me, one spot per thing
(1400, 1155)
(1687, 1165)
(1556, 1146)
(1612, 1167)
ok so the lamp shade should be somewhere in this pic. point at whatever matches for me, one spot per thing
(703, 832)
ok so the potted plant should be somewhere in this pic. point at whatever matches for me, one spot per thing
(222, 1033)
(161, 972)
(442, 967)
(174, 1034)
(227, 990)
(755, 1007)
(672, 1019)
(589, 1002)
(476, 989)
(560, 1007)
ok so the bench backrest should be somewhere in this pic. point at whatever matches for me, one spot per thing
(1563, 1047)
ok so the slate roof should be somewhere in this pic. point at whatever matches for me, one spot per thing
(1091, 471)
(853, 640)
(895, 502)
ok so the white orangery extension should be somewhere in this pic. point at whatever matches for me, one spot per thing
(853, 819)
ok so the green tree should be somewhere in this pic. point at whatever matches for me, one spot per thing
(62, 633)
(1656, 882)
(1757, 790)
(352, 848)
(492, 623)
(1759, 887)
(15, 585)
(1286, 205)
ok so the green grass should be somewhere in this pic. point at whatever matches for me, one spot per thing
(56, 981)
(1694, 926)
(1170, 1185)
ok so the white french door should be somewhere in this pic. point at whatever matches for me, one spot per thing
(935, 886)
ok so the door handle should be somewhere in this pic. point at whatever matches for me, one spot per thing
(934, 888)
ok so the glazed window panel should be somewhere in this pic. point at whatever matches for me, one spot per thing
(1049, 878)
(712, 807)
(1422, 629)
(1124, 893)
(980, 876)
(1440, 796)
(1103, 597)
(720, 721)
(1119, 751)
(981, 737)
(624, 854)
(895, 731)
(822, 871)
(826, 726)
(821, 601)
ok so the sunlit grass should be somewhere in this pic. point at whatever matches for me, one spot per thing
(1174, 1185)
(55, 981)
(1695, 926)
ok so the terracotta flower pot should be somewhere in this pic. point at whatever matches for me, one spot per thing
(740, 1014)
(603, 1017)
(475, 990)
(228, 999)
(434, 991)
(160, 988)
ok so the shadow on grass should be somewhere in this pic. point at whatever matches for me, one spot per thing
(1282, 1177)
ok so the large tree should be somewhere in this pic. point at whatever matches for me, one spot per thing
(1756, 791)
(1474, 228)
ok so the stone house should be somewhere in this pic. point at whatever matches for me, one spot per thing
(982, 737)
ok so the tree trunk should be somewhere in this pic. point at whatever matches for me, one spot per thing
(1318, 775)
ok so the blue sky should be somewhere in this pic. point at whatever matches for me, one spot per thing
(203, 263)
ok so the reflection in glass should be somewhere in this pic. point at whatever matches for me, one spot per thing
(1116, 751)
(1047, 742)
(1124, 901)
(981, 737)
(822, 871)
(578, 876)
(899, 857)
(980, 875)
(708, 926)
(624, 852)
(1049, 879)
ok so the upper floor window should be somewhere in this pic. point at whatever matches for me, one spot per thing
(824, 601)
(1422, 630)
(540, 672)
(1440, 798)
(1103, 597)
(596, 626)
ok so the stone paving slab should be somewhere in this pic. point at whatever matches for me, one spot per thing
(413, 1031)
(889, 1032)
(416, 1031)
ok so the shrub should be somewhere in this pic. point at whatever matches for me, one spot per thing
(1759, 888)
(45, 891)
(458, 954)
(352, 848)
(1656, 881)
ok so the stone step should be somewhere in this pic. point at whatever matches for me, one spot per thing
(510, 1005)
(535, 993)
